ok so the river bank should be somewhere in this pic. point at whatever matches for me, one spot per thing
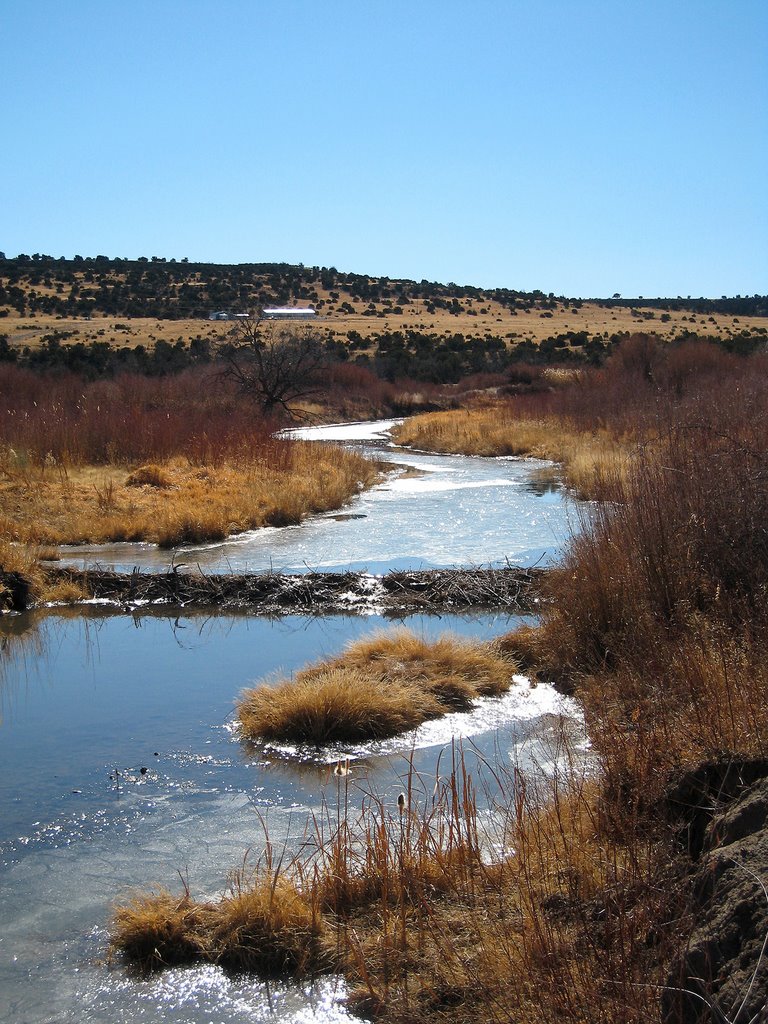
(577, 884)
(623, 891)
(93, 693)
(657, 616)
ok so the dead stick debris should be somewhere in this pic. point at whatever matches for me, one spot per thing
(435, 590)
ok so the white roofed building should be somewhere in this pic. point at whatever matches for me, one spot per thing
(288, 313)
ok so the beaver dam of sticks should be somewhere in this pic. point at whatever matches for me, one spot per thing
(437, 590)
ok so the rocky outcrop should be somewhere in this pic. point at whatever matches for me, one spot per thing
(699, 794)
(722, 974)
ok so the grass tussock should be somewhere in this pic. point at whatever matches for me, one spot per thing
(159, 930)
(262, 924)
(150, 475)
(377, 688)
(64, 592)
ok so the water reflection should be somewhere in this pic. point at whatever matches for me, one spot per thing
(546, 482)
(120, 766)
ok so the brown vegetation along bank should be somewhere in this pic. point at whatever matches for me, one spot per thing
(425, 925)
(658, 615)
(658, 618)
(171, 461)
(176, 501)
(263, 924)
(589, 459)
(594, 422)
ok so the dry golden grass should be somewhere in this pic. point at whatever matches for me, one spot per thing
(700, 694)
(158, 930)
(592, 461)
(150, 475)
(437, 664)
(64, 592)
(378, 687)
(24, 562)
(498, 321)
(405, 901)
(176, 503)
(267, 925)
(17, 558)
(479, 319)
(21, 561)
(263, 924)
(332, 705)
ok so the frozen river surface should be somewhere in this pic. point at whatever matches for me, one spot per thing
(433, 511)
(119, 766)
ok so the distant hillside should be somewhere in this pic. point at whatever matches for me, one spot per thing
(99, 316)
(167, 289)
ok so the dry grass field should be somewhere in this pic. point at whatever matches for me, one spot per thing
(174, 502)
(172, 460)
(489, 319)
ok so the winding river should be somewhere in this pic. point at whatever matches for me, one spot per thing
(120, 767)
(432, 511)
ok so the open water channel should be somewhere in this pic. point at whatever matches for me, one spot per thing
(120, 766)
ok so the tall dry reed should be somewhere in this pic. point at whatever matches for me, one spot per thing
(171, 460)
(410, 898)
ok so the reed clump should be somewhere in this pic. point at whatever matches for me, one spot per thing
(263, 924)
(409, 902)
(378, 687)
(658, 618)
(553, 932)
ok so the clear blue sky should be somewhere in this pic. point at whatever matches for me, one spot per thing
(579, 147)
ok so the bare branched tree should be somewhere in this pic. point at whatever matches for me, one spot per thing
(276, 366)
